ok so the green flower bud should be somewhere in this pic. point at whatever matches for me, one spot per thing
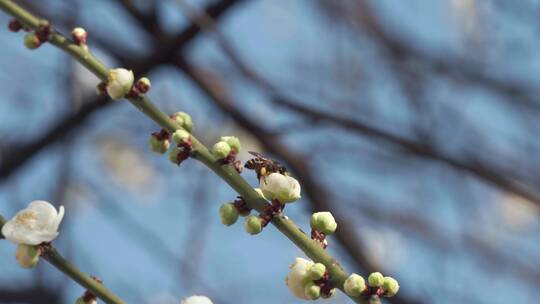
(324, 222)
(312, 291)
(180, 136)
(158, 146)
(375, 279)
(31, 41)
(253, 224)
(173, 156)
(221, 149)
(183, 119)
(354, 285)
(27, 255)
(228, 214)
(81, 300)
(233, 142)
(390, 287)
(316, 271)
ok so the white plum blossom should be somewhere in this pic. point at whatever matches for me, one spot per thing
(34, 225)
(196, 300)
(119, 82)
(296, 279)
(284, 188)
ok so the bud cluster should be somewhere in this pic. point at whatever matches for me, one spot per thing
(183, 147)
(160, 142)
(33, 39)
(308, 280)
(377, 285)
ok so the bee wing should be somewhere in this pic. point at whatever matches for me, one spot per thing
(256, 154)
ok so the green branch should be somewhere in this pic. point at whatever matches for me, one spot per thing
(310, 247)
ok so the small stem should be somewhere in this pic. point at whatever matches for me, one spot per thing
(310, 247)
(57, 260)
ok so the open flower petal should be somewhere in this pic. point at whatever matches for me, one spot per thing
(284, 188)
(196, 300)
(34, 225)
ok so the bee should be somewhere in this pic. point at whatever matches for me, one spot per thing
(264, 166)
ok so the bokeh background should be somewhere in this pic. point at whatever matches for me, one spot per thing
(415, 122)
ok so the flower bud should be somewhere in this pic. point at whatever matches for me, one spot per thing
(285, 189)
(157, 145)
(233, 142)
(183, 119)
(228, 214)
(354, 285)
(79, 35)
(119, 82)
(173, 156)
(324, 222)
(180, 136)
(312, 291)
(316, 272)
(253, 224)
(31, 41)
(221, 150)
(196, 300)
(296, 280)
(143, 85)
(390, 287)
(82, 300)
(27, 255)
(375, 279)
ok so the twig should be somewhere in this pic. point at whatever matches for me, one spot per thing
(311, 248)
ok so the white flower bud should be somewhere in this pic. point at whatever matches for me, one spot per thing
(375, 279)
(253, 224)
(390, 287)
(221, 150)
(196, 300)
(324, 222)
(354, 285)
(119, 82)
(27, 256)
(79, 35)
(229, 214)
(297, 279)
(284, 188)
(183, 119)
(34, 225)
(143, 85)
(233, 142)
